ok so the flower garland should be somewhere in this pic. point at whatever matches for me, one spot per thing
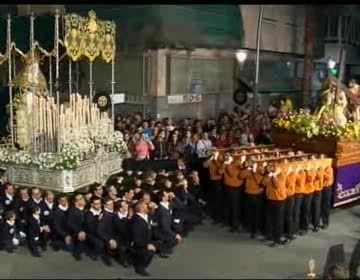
(304, 123)
(71, 155)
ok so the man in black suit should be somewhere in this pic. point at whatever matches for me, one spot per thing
(76, 225)
(7, 197)
(22, 209)
(121, 228)
(163, 230)
(106, 232)
(36, 232)
(47, 208)
(61, 233)
(92, 218)
(35, 200)
(8, 238)
(140, 232)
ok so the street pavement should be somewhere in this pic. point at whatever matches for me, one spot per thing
(209, 252)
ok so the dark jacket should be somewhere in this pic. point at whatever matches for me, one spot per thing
(140, 232)
(106, 228)
(60, 223)
(76, 220)
(163, 229)
(47, 217)
(34, 230)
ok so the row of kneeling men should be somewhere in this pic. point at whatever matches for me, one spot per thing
(103, 224)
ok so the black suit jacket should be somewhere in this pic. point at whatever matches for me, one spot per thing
(60, 226)
(140, 232)
(33, 229)
(8, 205)
(47, 217)
(7, 234)
(76, 220)
(163, 219)
(122, 229)
(91, 224)
(106, 228)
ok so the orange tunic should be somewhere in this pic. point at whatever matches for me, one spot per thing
(319, 181)
(291, 183)
(300, 182)
(310, 180)
(214, 168)
(276, 187)
(232, 175)
(252, 182)
(328, 177)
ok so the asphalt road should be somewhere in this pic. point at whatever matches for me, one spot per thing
(209, 252)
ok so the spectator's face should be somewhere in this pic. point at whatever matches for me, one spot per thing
(50, 197)
(188, 134)
(146, 198)
(145, 124)
(142, 136)
(130, 194)
(138, 182)
(99, 191)
(36, 194)
(205, 136)
(63, 202)
(80, 201)
(109, 205)
(126, 137)
(113, 191)
(162, 135)
(96, 204)
(124, 206)
(168, 184)
(24, 194)
(10, 189)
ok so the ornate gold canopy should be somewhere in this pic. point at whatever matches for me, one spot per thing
(90, 37)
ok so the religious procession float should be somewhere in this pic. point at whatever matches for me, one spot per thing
(60, 140)
(334, 130)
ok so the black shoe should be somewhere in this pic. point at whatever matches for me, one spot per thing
(233, 230)
(315, 229)
(77, 256)
(106, 261)
(163, 256)
(252, 236)
(303, 232)
(36, 254)
(93, 257)
(285, 242)
(325, 226)
(44, 248)
(274, 244)
(142, 272)
(292, 237)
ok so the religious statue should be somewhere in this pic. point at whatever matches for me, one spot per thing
(30, 81)
(354, 88)
(334, 102)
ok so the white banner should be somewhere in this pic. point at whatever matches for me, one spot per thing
(186, 98)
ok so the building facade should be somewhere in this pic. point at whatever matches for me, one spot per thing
(163, 60)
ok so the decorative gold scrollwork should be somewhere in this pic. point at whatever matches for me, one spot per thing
(89, 37)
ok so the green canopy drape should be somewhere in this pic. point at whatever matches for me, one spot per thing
(176, 26)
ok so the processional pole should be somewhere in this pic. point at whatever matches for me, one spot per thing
(32, 19)
(10, 79)
(57, 75)
(70, 76)
(113, 89)
(91, 83)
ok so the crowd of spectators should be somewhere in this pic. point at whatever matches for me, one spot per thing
(193, 138)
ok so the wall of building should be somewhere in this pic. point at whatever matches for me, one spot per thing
(283, 27)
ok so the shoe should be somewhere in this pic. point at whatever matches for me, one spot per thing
(274, 244)
(285, 242)
(303, 232)
(163, 256)
(106, 261)
(232, 230)
(36, 254)
(325, 226)
(77, 256)
(142, 272)
(252, 236)
(315, 229)
(93, 257)
(293, 237)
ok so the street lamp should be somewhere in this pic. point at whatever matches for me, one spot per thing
(241, 56)
(331, 63)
